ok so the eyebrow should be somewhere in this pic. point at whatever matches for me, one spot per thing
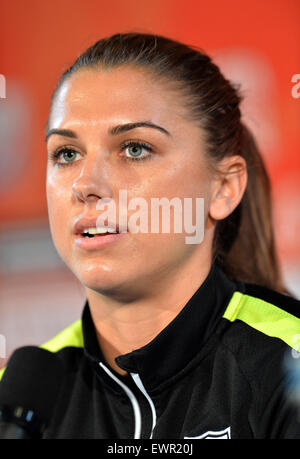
(119, 129)
(128, 126)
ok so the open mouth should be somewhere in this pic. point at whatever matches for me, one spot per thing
(96, 232)
(92, 238)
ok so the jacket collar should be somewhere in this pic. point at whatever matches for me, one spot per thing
(179, 342)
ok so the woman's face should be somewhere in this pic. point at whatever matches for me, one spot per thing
(96, 160)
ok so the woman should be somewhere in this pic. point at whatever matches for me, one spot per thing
(176, 340)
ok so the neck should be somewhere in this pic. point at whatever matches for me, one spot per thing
(123, 326)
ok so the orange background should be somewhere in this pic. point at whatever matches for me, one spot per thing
(39, 39)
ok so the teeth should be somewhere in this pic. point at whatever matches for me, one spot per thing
(100, 230)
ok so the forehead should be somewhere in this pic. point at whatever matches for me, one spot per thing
(97, 95)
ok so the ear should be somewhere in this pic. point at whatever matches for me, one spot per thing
(228, 187)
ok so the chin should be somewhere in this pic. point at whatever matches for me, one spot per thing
(98, 278)
(120, 286)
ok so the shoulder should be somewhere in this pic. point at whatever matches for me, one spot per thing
(261, 334)
(265, 312)
(71, 336)
(64, 343)
(261, 327)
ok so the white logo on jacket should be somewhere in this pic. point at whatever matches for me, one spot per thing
(213, 434)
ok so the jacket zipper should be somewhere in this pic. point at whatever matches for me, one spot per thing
(134, 402)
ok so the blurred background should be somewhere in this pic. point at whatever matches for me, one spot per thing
(256, 44)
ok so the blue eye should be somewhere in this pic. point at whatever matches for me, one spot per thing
(68, 155)
(134, 151)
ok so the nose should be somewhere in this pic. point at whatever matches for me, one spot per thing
(92, 183)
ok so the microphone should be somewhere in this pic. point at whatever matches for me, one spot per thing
(28, 392)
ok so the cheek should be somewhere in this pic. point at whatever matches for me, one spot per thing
(59, 190)
(193, 180)
(175, 179)
(58, 201)
(178, 180)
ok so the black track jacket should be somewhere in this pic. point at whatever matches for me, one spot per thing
(216, 371)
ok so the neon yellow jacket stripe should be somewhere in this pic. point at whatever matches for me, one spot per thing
(264, 317)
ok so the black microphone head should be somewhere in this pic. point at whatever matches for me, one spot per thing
(32, 380)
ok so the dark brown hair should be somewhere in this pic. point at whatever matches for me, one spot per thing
(243, 242)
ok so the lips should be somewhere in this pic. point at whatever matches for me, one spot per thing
(110, 232)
